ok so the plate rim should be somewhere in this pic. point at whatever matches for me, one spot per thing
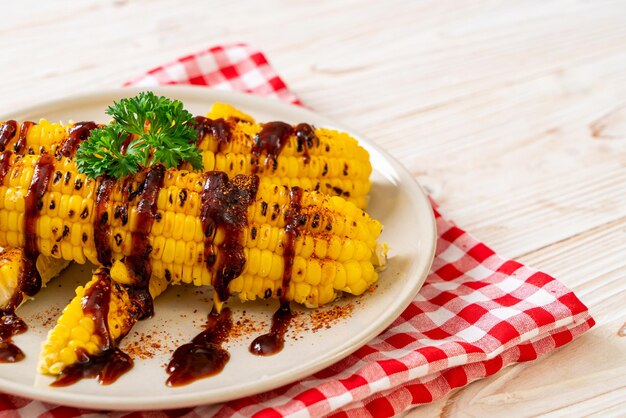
(343, 350)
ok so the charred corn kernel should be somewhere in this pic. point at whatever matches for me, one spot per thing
(176, 270)
(298, 272)
(76, 332)
(158, 246)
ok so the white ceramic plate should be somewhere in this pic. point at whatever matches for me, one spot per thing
(396, 199)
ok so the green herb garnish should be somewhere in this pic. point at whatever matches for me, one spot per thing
(160, 130)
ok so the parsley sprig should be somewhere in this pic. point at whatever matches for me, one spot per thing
(161, 132)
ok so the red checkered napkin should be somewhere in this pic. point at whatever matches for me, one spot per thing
(476, 313)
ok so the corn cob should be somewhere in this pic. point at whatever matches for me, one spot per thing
(80, 334)
(321, 159)
(333, 252)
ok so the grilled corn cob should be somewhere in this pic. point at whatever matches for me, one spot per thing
(333, 252)
(321, 159)
(79, 333)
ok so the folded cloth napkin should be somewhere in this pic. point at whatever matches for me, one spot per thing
(476, 313)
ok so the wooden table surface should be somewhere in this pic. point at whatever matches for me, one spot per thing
(511, 113)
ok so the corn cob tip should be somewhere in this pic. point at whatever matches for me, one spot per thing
(379, 256)
(11, 266)
(225, 111)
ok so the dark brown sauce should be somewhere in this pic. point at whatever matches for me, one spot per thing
(96, 303)
(270, 140)
(10, 353)
(220, 129)
(10, 325)
(305, 139)
(7, 132)
(21, 144)
(5, 164)
(78, 133)
(225, 205)
(292, 223)
(204, 355)
(29, 278)
(138, 262)
(101, 228)
(273, 342)
(109, 364)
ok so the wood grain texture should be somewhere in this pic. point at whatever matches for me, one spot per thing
(512, 114)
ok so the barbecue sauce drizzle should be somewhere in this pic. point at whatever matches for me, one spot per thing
(21, 140)
(7, 132)
(138, 262)
(112, 362)
(101, 229)
(29, 280)
(305, 140)
(272, 139)
(224, 205)
(274, 341)
(204, 355)
(219, 128)
(78, 133)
